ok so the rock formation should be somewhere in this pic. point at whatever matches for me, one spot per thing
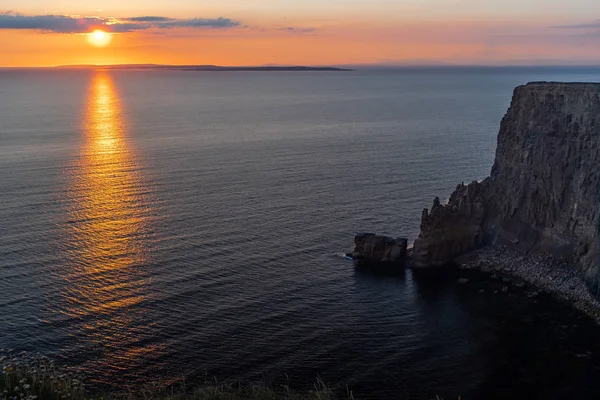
(542, 193)
(450, 230)
(379, 249)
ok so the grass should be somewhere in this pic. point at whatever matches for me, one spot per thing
(223, 391)
(30, 378)
(37, 378)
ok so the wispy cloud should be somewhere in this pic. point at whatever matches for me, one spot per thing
(148, 19)
(589, 25)
(298, 30)
(83, 24)
(199, 23)
(51, 23)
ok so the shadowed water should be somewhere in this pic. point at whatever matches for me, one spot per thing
(160, 224)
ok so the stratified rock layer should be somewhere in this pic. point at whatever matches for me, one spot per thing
(372, 248)
(542, 194)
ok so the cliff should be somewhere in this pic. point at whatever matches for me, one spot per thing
(542, 193)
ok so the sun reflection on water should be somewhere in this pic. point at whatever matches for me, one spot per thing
(108, 227)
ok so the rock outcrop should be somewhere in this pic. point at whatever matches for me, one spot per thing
(451, 230)
(372, 248)
(542, 193)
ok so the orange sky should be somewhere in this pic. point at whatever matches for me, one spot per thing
(309, 33)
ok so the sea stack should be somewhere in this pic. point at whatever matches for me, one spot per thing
(374, 249)
(542, 193)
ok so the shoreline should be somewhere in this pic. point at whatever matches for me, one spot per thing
(542, 271)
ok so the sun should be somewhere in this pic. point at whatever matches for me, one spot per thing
(99, 38)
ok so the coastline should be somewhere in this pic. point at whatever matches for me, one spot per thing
(541, 195)
(543, 272)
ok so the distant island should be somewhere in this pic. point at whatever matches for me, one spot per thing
(203, 67)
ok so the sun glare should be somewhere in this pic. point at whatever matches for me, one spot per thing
(99, 38)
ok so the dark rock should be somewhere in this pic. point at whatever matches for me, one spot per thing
(450, 230)
(587, 354)
(372, 248)
(462, 281)
(542, 193)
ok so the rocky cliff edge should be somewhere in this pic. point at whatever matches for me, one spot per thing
(542, 193)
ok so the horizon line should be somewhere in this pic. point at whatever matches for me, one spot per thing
(333, 66)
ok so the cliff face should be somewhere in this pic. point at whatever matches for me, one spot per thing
(542, 193)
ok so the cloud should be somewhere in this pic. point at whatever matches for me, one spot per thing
(149, 19)
(120, 27)
(199, 23)
(51, 23)
(293, 29)
(592, 25)
(84, 24)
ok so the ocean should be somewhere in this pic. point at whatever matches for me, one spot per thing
(161, 224)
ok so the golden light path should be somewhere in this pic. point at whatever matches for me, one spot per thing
(109, 215)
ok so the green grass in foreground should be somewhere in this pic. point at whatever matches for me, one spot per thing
(37, 378)
(31, 378)
(217, 391)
